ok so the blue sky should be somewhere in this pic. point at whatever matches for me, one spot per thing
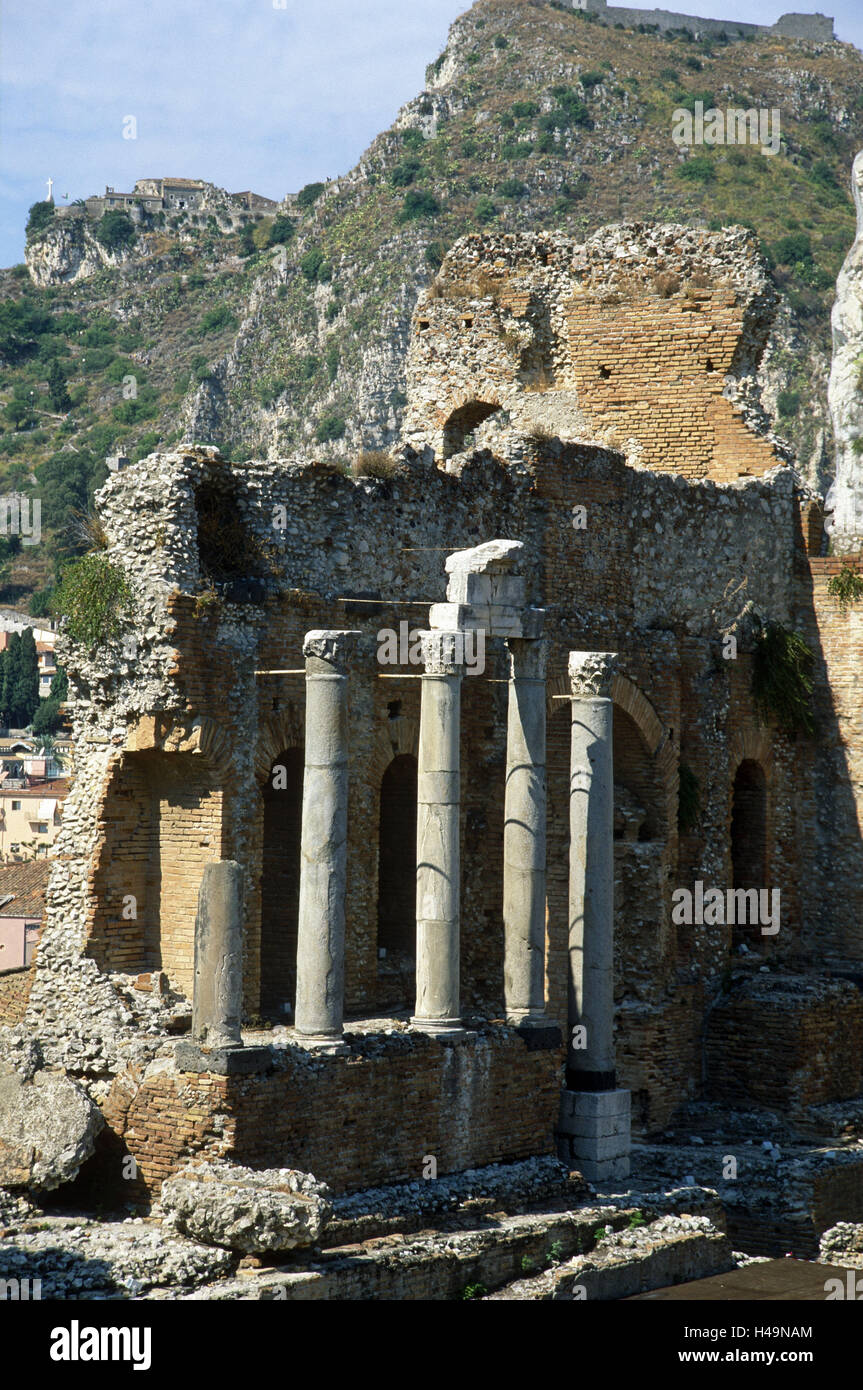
(236, 91)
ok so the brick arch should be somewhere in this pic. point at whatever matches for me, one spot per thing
(751, 743)
(192, 733)
(630, 698)
(459, 399)
(463, 420)
(281, 729)
(394, 736)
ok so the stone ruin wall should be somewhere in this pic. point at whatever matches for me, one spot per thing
(178, 737)
(646, 338)
(815, 27)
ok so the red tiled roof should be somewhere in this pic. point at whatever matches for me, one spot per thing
(28, 883)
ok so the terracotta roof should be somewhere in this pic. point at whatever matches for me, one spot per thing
(28, 882)
(55, 788)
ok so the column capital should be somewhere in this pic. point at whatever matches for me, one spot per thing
(443, 653)
(592, 674)
(528, 658)
(335, 646)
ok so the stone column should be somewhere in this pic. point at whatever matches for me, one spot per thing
(594, 1121)
(438, 847)
(217, 1001)
(524, 836)
(323, 847)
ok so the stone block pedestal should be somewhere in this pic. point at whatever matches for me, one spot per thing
(593, 1133)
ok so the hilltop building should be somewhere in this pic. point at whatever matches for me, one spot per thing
(816, 27)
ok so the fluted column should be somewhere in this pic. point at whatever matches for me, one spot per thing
(438, 847)
(323, 849)
(524, 835)
(594, 1125)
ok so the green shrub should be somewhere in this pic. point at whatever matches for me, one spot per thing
(94, 597)
(525, 109)
(418, 203)
(698, 168)
(404, 174)
(57, 391)
(519, 149)
(413, 139)
(589, 80)
(115, 230)
(788, 403)
(38, 218)
(330, 426)
(500, 41)
(314, 267)
(513, 188)
(309, 194)
(485, 210)
(846, 586)
(782, 682)
(217, 318)
(282, 230)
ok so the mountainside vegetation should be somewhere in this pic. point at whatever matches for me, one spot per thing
(289, 335)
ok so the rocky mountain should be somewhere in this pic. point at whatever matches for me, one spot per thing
(534, 116)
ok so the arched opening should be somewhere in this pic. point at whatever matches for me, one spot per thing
(462, 423)
(280, 882)
(748, 837)
(397, 877)
(161, 823)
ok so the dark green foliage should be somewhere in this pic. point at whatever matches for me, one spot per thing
(485, 210)
(589, 80)
(21, 324)
(309, 195)
(404, 174)
(782, 682)
(94, 597)
(60, 684)
(47, 718)
(688, 799)
(694, 63)
(698, 168)
(418, 203)
(687, 100)
(788, 402)
(314, 267)
(217, 318)
(38, 218)
(434, 254)
(525, 109)
(282, 230)
(519, 149)
(500, 41)
(115, 230)
(40, 606)
(57, 386)
(19, 680)
(846, 586)
(247, 241)
(330, 426)
(413, 139)
(67, 482)
(570, 111)
(332, 356)
(513, 188)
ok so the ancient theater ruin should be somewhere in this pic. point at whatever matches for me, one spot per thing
(315, 910)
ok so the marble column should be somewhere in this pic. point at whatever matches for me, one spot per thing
(594, 1124)
(524, 836)
(438, 835)
(217, 1000)
(323, 846)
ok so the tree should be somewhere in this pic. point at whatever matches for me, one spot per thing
(46, 721)
(25, 686)
(57, 386)
(282, 230)
(247, 241)
(115, 230)
(60, 685)
(38, 218)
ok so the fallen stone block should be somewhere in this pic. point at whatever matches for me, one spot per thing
(239, 1209)
(48, 1128)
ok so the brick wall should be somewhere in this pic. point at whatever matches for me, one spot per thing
(486, 1100)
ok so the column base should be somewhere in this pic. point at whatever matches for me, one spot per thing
(593, 1133)
(442, 1028)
